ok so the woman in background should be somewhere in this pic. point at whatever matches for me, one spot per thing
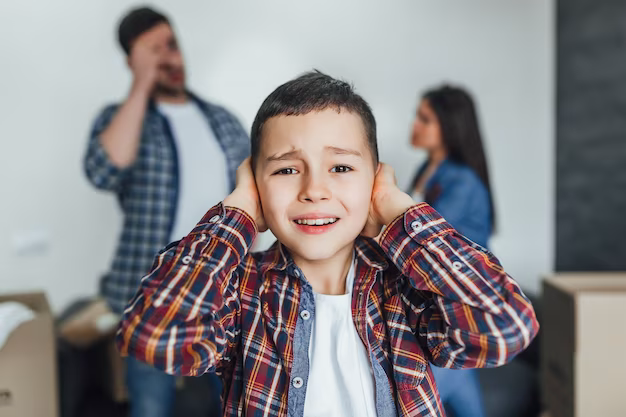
(454, 180)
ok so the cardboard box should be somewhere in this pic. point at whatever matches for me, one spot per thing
(94, 325)
(583, 344)
(89, 325)
(28, 374)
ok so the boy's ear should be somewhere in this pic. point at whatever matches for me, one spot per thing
(377, 168)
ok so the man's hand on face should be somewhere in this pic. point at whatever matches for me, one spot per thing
(144, 62)
(388, 201)
(245, 196)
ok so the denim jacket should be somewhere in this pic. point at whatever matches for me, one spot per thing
(462, 198)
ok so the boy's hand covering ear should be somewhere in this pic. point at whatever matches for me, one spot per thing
(387, 203)
(245, 196)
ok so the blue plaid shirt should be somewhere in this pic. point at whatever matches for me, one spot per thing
(148, 190)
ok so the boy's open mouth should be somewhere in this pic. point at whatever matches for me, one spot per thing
(317, 222)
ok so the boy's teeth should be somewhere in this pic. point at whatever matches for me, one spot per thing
(316, 222)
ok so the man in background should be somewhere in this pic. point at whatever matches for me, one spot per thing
(168, 156)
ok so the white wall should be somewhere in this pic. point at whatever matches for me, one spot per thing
(60, 65)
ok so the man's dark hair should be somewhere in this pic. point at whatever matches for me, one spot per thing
(313, 91)
(136, 22)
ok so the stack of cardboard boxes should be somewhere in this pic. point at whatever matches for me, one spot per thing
(584, 345)
(28, 374)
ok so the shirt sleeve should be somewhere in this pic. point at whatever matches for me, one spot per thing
(100, 171)
(472, 313)
(185, 317)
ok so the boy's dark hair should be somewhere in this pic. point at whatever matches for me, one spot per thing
(313, 91)
(136, 22)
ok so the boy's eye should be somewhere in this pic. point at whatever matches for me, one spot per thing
(341, 168)
(286, 171)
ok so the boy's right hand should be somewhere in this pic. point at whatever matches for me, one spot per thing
(245, 196)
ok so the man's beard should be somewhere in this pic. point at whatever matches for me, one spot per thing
(166, 90)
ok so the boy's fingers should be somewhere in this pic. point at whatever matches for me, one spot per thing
(244, 166)
(244, 172)
(387, 174)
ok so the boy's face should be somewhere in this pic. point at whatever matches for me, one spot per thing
(315, 174)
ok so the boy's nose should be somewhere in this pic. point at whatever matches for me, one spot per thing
(314, 190)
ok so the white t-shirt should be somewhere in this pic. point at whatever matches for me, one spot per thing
(341, 382)
(203, 177)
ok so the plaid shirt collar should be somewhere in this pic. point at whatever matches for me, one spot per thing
(371, 255)
(368, 256)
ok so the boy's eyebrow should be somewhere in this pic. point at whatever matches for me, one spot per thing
(343, 151)
(286, 156)
(295, 154)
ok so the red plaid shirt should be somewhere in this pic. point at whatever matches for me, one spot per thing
(426, 294)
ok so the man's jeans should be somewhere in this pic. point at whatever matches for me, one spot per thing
(460, 391)
(151, 391)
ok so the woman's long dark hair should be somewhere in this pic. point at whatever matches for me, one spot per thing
(460, 133)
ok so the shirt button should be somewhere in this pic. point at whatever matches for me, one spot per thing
(457, 265)
(305, 315)
(296, 273)
(186, 259)
(297, 382)
(417, 226)
(214, 219)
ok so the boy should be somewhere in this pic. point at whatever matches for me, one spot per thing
(326, 322)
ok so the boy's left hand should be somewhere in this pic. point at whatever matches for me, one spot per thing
(388, 201)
